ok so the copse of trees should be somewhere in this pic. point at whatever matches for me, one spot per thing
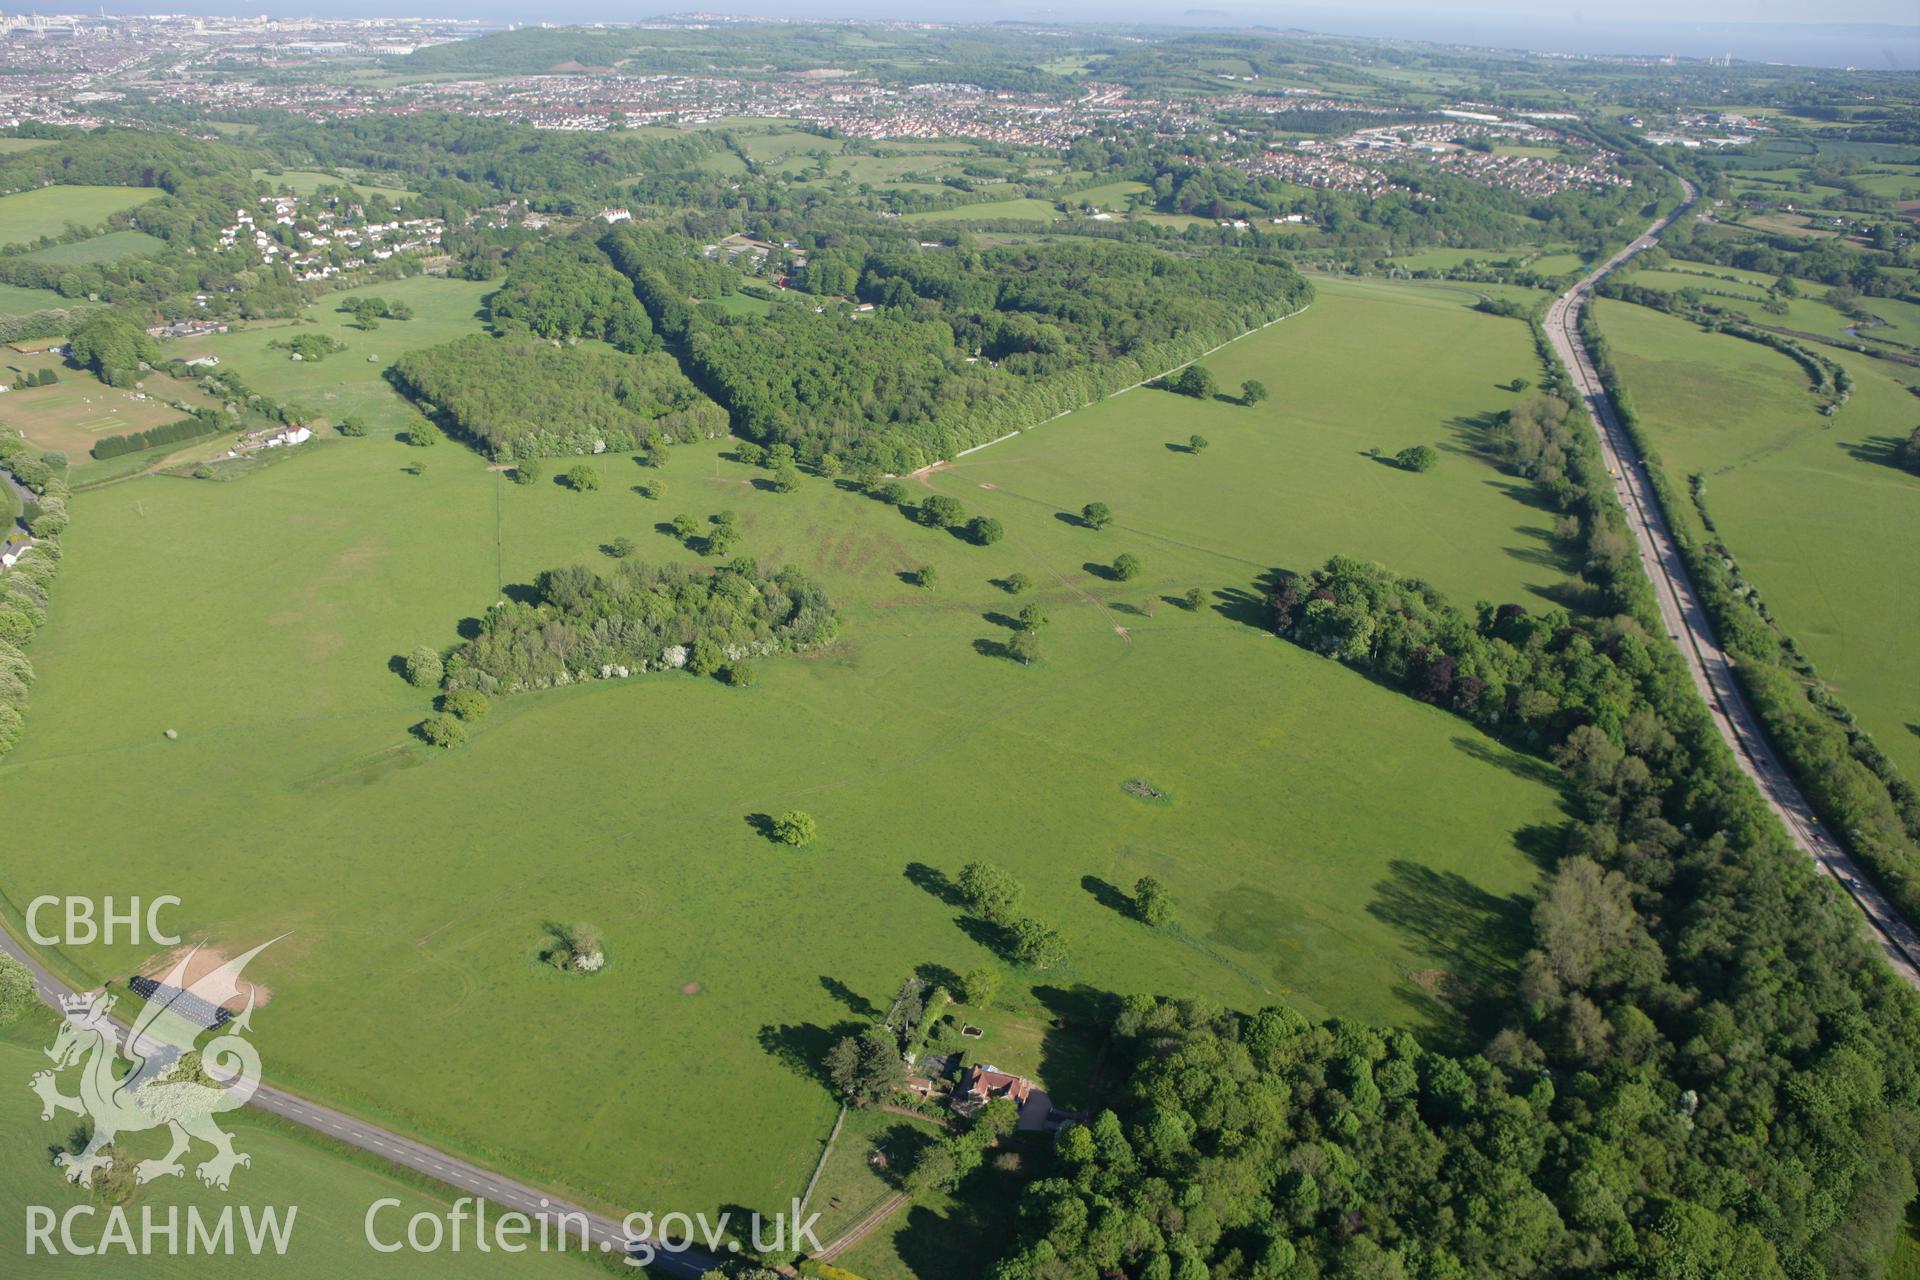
(568, 289)
(113, 346)
(1195, 381)
(522, 398)
(641, 617)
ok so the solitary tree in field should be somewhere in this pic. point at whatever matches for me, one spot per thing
(582, 478)
(1192, 601)
(795, 827)
(1024, 647)
(1195, 381)
(1031, 619)
(1018, 584)
(422, 434)
(1096, 515)
(1252, 392)
(926, 576)
(786, 479)
(526, 473)
(1417, 457)
(1126, 566)
(1197, 444)
(1152, 902)
(984, 531)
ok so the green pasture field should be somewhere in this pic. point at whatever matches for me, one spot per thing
(110, 247)
(332, 1193)
(1558, 263)
(1024, 209)
(1113, 195)
(11, 146)
(887, 170)
(18, 301)
(1746, 291)
(350, 381)
(741, 304)
(305, 182)
(1351, 848)
(48, 211)
(1820, 519)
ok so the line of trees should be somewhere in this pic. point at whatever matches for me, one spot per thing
(201, 422)
(26, 587)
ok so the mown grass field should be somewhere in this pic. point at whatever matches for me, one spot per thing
(47, 211)
(1821, 520)
(1330, 842)
(78, 410)
(331, 1191)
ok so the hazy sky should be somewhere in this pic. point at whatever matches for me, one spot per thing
(1753, 30)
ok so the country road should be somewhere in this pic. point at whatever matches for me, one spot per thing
(503, 1193)
(1686, 621)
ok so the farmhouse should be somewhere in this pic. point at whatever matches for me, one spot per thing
(981, 1085)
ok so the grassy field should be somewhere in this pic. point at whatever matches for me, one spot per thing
(17, 301)
(48, 211)
(110, 247)
(332, 1193)
(1330, 842)
(1822, 522)
(305, 182)
(1020, 210)
(351, 381)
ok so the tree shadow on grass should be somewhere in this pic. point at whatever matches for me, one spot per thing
(521, 593)
(900, 1146)
(990, 934)
(988, 647)
(1079, 1018)
(468, 628)
(938, 975)
(1174, 446)
(762, 824)
(1520, 765)
(1881, 451)
(1244, 607)
(997, 619)
(1475, 936)
(802, 1047)
(1072, 519)
(858, 1005)
(1108, 895)
(934, 881)
(1104, 572)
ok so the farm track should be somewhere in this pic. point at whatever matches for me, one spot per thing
(1687, 623)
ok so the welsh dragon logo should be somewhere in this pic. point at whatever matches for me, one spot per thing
(159, 1086)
